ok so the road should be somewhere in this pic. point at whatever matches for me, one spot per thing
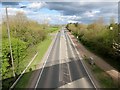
(63, 67)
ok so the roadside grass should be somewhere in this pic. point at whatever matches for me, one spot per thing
(53, 29)
(22, 83)
(26, 60)
(104, 80)
(6, 83)
(41, 48)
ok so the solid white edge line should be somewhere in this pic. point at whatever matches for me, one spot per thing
(60, 58)
(45, 61)
(23, 72)
(82, 63)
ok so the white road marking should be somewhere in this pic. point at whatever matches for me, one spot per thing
(60, 60)
(54, 53)
(67, 59)
(66, 74)
(45, 61)
(71, 47)
(83, 64)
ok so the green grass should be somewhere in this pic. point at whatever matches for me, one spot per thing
(6, 83)
(27, 59)
(23, 81)
(41, 48)
(53, 29)
(104, 80)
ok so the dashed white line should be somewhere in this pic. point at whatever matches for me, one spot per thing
(67, 59)
(70, 47)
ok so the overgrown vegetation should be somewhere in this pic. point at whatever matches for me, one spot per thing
(100, 38)
(24, 34)
(27, 37)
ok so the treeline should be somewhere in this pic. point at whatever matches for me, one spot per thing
(100, 38)
(25, 33)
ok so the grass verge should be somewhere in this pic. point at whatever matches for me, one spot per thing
(41, 48)
(53, 29)
(104, 80)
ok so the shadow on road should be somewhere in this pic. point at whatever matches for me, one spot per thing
(49, 79)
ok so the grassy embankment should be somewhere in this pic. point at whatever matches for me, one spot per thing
(41, 48)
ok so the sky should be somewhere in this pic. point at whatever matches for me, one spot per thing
(64, 12)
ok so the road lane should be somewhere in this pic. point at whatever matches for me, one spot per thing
(77, 70)
(64, 68)
(54, 55)
(68, 72)
(49, 77)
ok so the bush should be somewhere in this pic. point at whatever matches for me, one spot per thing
(18, 51)
(98, 37)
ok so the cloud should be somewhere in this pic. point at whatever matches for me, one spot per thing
(91, 13)
(64, 12)
(36, 5)
(13, 11)
(72, 21)
(87, 11)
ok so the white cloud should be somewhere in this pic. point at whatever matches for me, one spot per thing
(13, 11)
(73, 17)
(36, 5)
(95, 11)
(72, 21)
(55, 19)
(91, 13)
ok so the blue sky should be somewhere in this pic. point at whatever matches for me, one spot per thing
(64, 12)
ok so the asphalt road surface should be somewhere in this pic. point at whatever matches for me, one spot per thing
(63, 67)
